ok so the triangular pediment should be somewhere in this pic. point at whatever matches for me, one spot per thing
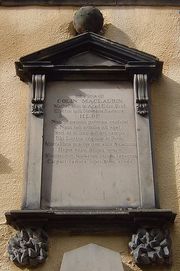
(86, 51)
(80, 45)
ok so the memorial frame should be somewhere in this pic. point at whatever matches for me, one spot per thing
(48, 65)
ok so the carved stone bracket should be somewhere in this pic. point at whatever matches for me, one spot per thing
(38, 85)
(141, 92)
(151, 246)
(28, 248)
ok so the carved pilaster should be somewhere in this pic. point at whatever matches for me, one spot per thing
(28, 247)
(151, 246)
(141, 93)
(38, 86)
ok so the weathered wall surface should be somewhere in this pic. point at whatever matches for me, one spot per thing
(153, 30)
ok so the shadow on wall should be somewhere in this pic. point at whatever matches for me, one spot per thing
(166, 143)
(23, 41)
(112, 32)
(4, 165)
(166, 133)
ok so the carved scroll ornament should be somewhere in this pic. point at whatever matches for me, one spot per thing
(38, 86)
(141, 92)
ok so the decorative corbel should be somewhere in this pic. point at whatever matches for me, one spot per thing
(28, 248)
(141, 92)
(151, 246)
(38, 86)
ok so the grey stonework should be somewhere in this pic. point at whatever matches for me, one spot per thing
(88, 19)
(28, 248)
(151, 246)
(38, 87)
(141, 91)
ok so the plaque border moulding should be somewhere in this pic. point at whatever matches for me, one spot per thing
(49, 65)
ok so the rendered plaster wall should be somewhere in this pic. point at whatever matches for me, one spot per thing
(153, 30)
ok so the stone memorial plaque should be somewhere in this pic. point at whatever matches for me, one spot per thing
(91, 257)
(89, 148)
(89, 165)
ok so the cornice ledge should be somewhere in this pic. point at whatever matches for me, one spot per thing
(8, 3)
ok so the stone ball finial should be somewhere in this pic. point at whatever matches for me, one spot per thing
(88, 19)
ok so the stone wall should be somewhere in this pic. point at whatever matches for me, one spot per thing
(27, 29)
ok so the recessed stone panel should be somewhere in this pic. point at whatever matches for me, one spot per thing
(90, 149)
